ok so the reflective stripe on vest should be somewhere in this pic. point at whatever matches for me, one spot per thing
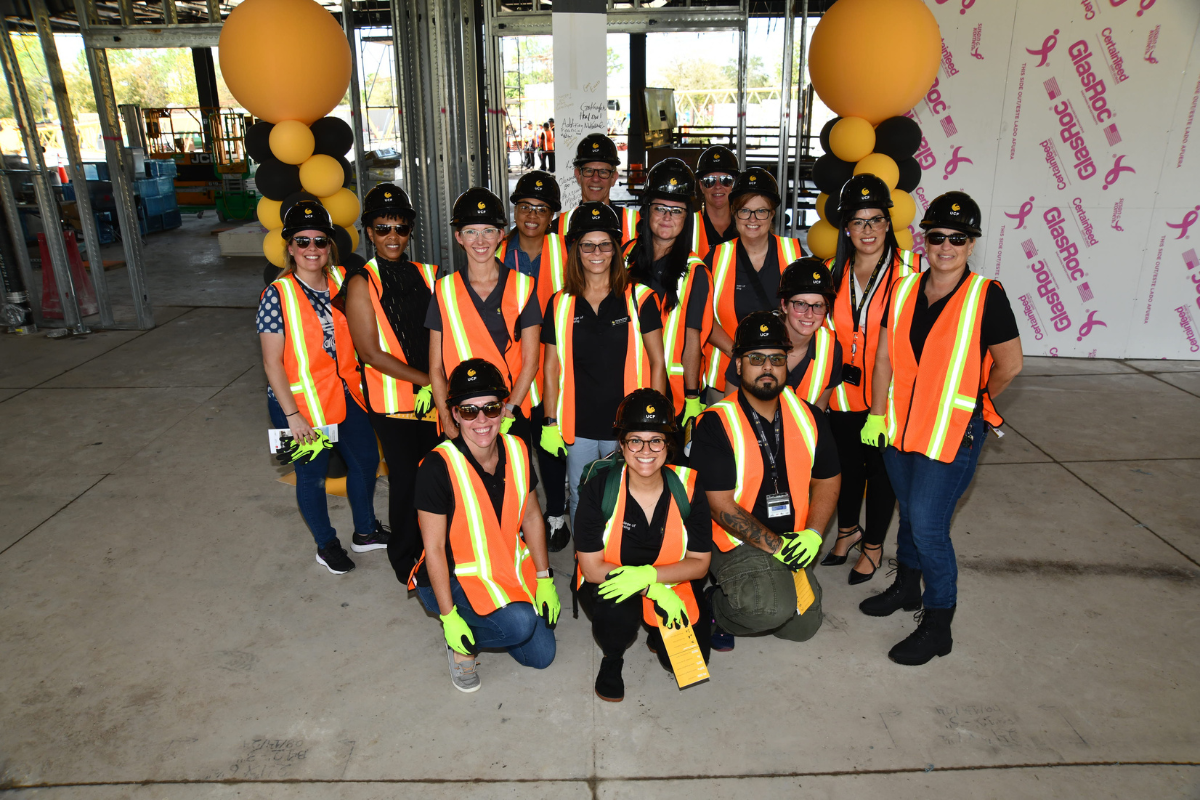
(675, 321)
(302, 381)
(820, 369)
(379, 382)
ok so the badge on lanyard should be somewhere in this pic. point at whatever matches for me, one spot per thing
(779, 505)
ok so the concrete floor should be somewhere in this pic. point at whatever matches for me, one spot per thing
(167, 633)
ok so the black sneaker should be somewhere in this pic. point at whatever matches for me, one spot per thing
(558, 535)
(333, 557)
(366, 542)
(609, 685)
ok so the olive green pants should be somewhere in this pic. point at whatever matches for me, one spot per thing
(757, 594)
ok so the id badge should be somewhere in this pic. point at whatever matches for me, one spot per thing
(779, 505)
(851, 374)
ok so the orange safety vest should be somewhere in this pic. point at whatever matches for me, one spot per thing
(491, 561)
(549, 140)
(799, 447)
(672, 551)
(552, 267)
(313, 376)
(858, 349)
(724, 271)
(465, 336)
(387, 394)
(931, 403)
(629, 223)
(637, 361)
(820, 369)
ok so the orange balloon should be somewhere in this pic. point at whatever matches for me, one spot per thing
(821, 198)
(343, 207)
(904, 238)
(322, 175)
(874, 59)
(881, 166)
(904, 209)
(822, 240)
(274, 248)
(350, 229)
(285, 59)
(852, 139)
(268, 213)
(291, 142)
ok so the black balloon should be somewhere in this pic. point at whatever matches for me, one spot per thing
(831, 173)
(258, 141)
(825, 133)
(276, 180)
(898, 137)
(343, 241)
(910, 174)
(270, 274)
(352, 260)
(347, 171)
(333, 136)
(831, 211)
(292, 199)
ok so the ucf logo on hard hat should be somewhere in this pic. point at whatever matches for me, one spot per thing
(762, 328)
(674, 182)
(866, 191)
(482, 205)
(595, 212)
(816, 276)
(537, 183)
(595, 145)
(649, 409)
(470, 373)
(753, 178)
(387, 195)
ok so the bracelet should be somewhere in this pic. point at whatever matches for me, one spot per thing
(294, 413)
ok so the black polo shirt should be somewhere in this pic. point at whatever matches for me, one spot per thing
(997, 326)
(694, 314)
(712, 455)
(490, 311)
(600, 343)
(797, 373)
(404, 297)
(641, 539)
(715, 238)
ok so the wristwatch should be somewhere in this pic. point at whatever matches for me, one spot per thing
(550, 420)
(546, 573)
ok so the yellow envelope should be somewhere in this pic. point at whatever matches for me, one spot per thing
(804, 592)
(684, 652)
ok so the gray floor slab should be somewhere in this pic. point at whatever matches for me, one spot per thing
(1103, 416)
(7, 393)
(1163, 365)
(27, 361)
(1047, 365)
(1010, 448)
(1188, 381)
(380, 790)
(28, 504)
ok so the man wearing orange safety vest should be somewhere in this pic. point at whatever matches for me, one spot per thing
(770, 470)
(596, 163)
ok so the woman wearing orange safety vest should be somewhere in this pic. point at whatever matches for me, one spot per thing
(815, 360)
(868, 263)
(485, 311)
(746, 270)
(949, 345)
(716, 172)
(485, 571)
(603, 338)
(643, 539)
(662, 258)
(314, 382)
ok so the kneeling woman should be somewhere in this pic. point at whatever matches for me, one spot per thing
(485, 570)
(643, 539)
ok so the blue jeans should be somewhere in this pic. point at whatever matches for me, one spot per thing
(928, 491)
(356, 444)
(516, 628)
(579, 455)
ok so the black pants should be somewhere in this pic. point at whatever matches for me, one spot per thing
(862, 466)
(553, 468)
(405, 442)
(615, 625)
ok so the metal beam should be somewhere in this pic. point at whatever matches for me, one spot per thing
(743, 58)
(497, 109)
(803, 112)
(132, 37)
(785, 110)
(356, 117)
(13, 217)
(645, 20)
(214, 11)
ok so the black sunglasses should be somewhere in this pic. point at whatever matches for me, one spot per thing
(302, 242)
(402, 229)
(956, 239)
(490, 410)
(709, 181)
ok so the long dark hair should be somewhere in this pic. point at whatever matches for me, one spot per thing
(641, 256)
(845, 248)
(575, 282)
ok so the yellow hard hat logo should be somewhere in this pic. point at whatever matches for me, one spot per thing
(674, 182)
(762, 328)
(470, 373)
(482, 205)
(537, 183)
(753, 178)
(866, 191)
(387, 195)
(649, 409)
(717, 157)
(595, 212)
(816, 276)
(955, 207)
(595, 145)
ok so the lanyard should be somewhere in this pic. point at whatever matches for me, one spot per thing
(765, 445)
(856, 307)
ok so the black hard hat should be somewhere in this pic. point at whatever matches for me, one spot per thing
(596, 147)
(863, 191)
(717, 159)
(537, 185)
(670, 179)
(475, 377)
(756, 180)
(761, 330)
(387, 200)
(478, 206)
(646, 410)
(306, 215)
(807, 275)
(589, 217)
(954, 210)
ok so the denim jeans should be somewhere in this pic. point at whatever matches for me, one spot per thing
(356, 444)
(756, 593)
(516, 628)
(579, 455)
(928, 491)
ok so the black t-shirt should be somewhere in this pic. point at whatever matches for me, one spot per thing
(998, 325)
(796, 374)
(490, 311)
(598, 358)
(712, 455)
(715, 238)
(694, 317)
(405, 300)
(641, 539)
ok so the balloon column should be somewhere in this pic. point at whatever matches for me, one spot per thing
(288, 63)
(871, 61)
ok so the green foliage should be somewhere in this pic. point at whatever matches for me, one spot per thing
(33, 70)
(146, 78)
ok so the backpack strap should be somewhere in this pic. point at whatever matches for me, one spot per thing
(612, 489)
(679, 492)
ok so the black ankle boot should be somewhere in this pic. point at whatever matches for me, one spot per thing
(904, 593)
(931, 638)
(609, 685)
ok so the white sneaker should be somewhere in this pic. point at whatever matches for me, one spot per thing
(464, 675)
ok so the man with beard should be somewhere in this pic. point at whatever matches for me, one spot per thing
(770, 470)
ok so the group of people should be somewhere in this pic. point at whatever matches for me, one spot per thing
(539, 140)
(697, 397)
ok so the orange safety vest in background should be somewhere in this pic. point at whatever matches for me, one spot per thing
(387, 394)
(858, 349)
(799, 447)
(930, 404)
(724, 274)
(552, 265)
(465, 336)
(820, 369)
(313, 376)
(549, 139)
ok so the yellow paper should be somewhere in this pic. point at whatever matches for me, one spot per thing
(430, 416)
(804, 592)
(684, 652)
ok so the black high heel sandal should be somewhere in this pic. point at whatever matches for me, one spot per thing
(830, 560)
(857, 577)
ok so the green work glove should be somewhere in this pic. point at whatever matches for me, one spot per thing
(286, 451)
(547, 601)
(458, 633)
(691, 409)
(506, 423)
(799, 548)
(423, 401)
(874, 431)
(552, 441)
(624, 582)
(292, 452)
(668, 605)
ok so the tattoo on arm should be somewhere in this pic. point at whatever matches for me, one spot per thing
(741, 525)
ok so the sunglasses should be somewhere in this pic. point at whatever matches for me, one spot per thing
(402, 229)
(956, 239)
(322, 242)
(709, 181)
(758, 359)
(490, 410)
(591, 247)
